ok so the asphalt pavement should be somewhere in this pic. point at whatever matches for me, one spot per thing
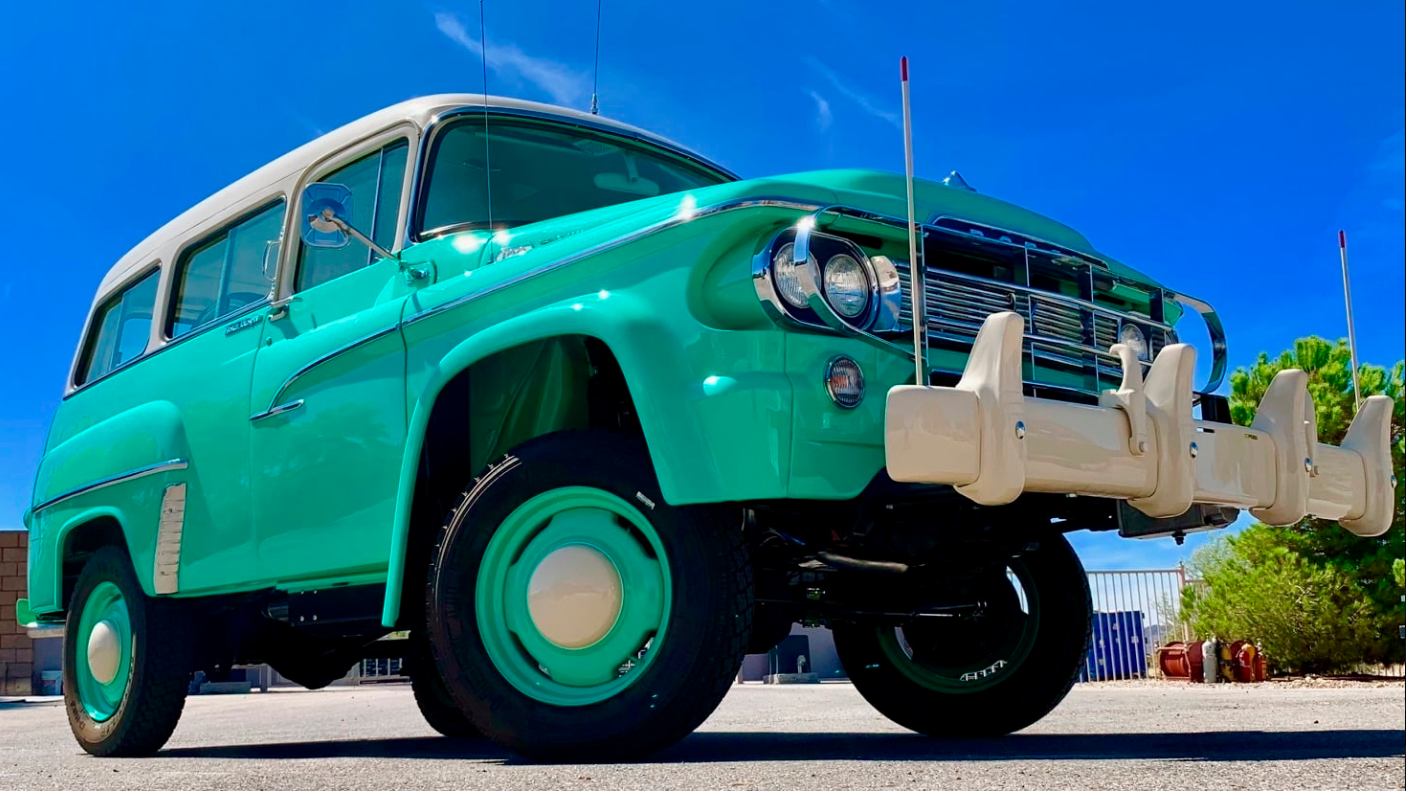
(1147, 736)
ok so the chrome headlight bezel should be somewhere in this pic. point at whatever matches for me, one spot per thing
(883, 292)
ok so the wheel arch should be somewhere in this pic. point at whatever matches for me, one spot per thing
(643, 344)
(104, 480)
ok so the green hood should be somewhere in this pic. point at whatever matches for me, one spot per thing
(886, 193)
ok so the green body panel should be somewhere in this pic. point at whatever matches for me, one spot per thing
(732, 406)
(324, 475)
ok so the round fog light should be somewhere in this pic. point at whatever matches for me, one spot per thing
(844, 382)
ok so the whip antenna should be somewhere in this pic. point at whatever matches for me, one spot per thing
(595, 71)
(487, 162)
(916, 266)
(1351, 330)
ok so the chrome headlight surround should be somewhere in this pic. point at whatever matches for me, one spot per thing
(802, 275)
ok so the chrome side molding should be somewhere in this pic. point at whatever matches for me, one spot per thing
(112, 480)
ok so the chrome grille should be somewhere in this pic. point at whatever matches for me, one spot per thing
(1061, 331)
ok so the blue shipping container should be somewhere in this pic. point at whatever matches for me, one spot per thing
(1117, 649)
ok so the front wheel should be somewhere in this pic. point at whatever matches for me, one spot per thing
(576, 616)
(432, 696)
(987, 676)
(126, 660)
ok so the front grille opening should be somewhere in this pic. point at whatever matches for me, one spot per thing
(1067, 301)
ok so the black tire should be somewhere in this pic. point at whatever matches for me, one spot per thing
(160, 664)
(433, 698)
(1037, 684)
(709, 619)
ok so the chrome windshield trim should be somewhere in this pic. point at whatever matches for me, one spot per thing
(278, 410)
(123, 477)
(606, 246)
(329, 356)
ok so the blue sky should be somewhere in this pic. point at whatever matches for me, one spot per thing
(1216, 146)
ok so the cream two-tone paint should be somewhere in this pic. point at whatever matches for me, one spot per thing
(1142, 444)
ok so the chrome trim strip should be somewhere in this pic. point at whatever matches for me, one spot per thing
(278, 410)
(166, 568)
(605, 247)
(337, 352)
(123, 477)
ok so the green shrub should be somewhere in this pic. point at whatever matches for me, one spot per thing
(1307, 618)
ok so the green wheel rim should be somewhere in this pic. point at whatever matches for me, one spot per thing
(105, 622)
(596, 524)
(974, 675)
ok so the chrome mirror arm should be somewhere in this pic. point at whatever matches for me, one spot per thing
(346, 228)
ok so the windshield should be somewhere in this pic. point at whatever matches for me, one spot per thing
(538, 171)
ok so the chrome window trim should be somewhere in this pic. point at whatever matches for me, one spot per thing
(188, 247)
(375, 143)
(112, 480)
(440, 120)
(88, 328)
(276, 402)
(152, 352)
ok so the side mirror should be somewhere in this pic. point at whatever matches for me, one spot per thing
(326, 208)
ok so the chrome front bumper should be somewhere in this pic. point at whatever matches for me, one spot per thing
(1140, 444)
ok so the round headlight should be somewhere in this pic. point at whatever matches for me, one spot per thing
(786, 270)
(1131, 336)
(846, 286)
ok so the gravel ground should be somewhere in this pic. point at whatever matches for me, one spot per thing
(1150, 737)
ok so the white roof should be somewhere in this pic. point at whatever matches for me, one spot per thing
(418, 111)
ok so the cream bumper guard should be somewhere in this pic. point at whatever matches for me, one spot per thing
(1140, 443)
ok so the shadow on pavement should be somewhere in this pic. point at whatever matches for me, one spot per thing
(710, 747)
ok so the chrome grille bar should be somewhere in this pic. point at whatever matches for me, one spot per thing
(1060, 330)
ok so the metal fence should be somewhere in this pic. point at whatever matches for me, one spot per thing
(1134, 613)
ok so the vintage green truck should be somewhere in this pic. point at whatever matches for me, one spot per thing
(591, 418)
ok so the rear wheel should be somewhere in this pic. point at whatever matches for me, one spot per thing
(577, 616)
(126, 660)
(985, 676)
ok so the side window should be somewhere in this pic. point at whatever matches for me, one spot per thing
(375, 183)
(120, 330)
(225, 271)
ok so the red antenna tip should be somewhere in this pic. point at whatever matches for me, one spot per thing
(903, 67)
(1342, 240)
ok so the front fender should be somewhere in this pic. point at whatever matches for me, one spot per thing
(138, 443)
(714, 405)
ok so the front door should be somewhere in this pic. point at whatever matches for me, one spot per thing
(328, 394)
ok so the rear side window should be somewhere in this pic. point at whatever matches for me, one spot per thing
(120, 330)
(375, 181)
(226, 271)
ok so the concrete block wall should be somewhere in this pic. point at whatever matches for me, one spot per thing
(16, 649)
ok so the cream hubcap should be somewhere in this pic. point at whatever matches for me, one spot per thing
(104, 652)
(574, 596)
